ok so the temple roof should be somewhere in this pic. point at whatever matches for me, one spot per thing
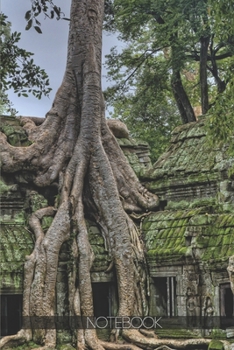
(192, 178)
(192, 235)
(191, 168)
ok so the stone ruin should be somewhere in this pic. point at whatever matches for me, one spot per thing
(188, 241)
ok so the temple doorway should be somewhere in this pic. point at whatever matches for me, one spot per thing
(102, 299)
(11, 309)
(165, 294)
(226, 305)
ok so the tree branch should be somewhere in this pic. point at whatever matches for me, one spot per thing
(203, 73)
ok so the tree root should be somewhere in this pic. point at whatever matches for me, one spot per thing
(135, 337)
(163, 347)
(115, 346)
(148, 333)
(23, 336)
(135, 196)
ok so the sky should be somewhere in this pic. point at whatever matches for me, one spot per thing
(50, 51)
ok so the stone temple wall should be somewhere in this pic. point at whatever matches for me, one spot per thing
(190, 241)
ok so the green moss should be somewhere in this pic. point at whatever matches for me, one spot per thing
(183, 250)
(98, 250)
(218, 334)
(104, 334)
(153, 226)
(3, 187)
(102, 257)
(202, 241)
(199, 220)
(37, 201)
(171, 233)
(227, 240)
(231, 172)
(14, 140)
(66, 347)
(203, 202)
(64, 338)
(216, 345)
(46, 222)
(177, 205)
(27, 346)
(228, 207)
(176, 333)
(16, 135)
(8, 129)
(20, 218)
(96, 240)
(16, 243)
(165, 236)
(146, 225)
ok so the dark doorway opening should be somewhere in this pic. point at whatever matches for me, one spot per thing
(228, 300)
(165, 293)
(226, 305)
(101, 299)
(161, 295)
(11, 310)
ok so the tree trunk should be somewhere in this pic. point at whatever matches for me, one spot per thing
(80, 146)
(203, 74)
(183, 103)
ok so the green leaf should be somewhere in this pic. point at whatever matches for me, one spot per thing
(38, 29)
(27, 15)
(29, 25)
(57, 10)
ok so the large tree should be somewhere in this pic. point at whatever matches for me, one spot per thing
(75, 150)
(195, 40)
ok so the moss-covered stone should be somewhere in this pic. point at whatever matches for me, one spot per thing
(190, 173)
(65, 347)
(176, 333)
(26, 346)
(193, 179)
(216, 345)
(4, 188)
(137, 154)
(46, 222)
(102, 258)
(15, 243)
(211, 239)
(37, 201)
(16, 135)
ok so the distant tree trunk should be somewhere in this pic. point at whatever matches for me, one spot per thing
(181, 97)
(203, 73)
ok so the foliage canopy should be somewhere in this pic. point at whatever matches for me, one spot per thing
(185, 48)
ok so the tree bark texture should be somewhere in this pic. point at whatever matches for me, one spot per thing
(182, 100)
(203, 73)
(75, 150)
